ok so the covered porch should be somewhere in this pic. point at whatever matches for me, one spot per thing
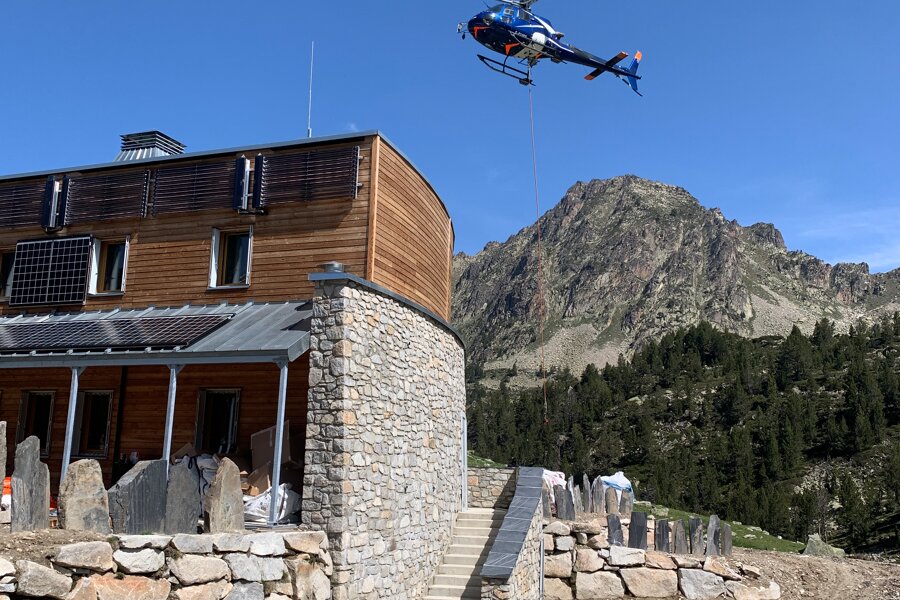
(117, 386)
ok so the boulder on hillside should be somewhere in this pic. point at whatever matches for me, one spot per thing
(816, 547)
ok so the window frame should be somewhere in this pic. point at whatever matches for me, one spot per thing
(4, 299)
(217, 258)
(20, 428)
(201, 416)
(98, 266)
(78, 430)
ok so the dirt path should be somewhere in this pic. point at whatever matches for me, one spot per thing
(806, 577)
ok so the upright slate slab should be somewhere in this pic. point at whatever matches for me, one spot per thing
(565, 508)
(726, 539)
(30, 489)
(578, 499)
(680, 538)
(225, 501)
(612, 501)
(183, 502)
(587, 498)
(661, 535)
(713, 535)
(698, 548)
(637, 531)
(83, 501)
(545, 502)
(137, 503)
(615, 535)
(626, 504)
(597, 499)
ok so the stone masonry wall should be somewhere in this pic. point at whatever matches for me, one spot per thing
(383, 472)
(525, 582)
(271, 566)
(490, 487)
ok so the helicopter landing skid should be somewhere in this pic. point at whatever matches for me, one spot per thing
(523, 77)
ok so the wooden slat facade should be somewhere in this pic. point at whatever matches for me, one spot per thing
(396, 232)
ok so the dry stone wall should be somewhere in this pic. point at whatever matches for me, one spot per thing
(491, 487)
(580, 562)
(383, 470)
(291, 565)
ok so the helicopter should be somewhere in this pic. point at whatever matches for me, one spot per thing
(513, 30)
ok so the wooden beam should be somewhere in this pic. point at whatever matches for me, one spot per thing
(374, 176)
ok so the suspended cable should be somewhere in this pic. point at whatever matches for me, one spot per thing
(540, 249)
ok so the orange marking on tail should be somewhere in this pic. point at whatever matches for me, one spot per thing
(638, 56)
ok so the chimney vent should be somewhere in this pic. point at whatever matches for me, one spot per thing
(333, 267)
(148, 144)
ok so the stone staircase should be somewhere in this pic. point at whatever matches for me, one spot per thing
(458, 574)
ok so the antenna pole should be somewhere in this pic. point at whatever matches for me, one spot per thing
(312, 62)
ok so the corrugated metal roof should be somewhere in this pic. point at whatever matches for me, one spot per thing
(254, 333)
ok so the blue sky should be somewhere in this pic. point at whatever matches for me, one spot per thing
(784, 112)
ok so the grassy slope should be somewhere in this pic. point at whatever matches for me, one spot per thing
(760, 539)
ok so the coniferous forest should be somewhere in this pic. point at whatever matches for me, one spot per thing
(798, 435)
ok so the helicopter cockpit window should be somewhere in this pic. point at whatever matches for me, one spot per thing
(508, 14)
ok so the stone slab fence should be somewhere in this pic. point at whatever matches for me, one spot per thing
(264, 566)
(513, 568)
(491, 487)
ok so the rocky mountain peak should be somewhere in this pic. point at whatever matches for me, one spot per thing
(626, 260)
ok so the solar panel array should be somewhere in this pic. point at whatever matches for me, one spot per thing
(51, 271)
(116, 334)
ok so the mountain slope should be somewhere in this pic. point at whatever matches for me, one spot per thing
(627, 260)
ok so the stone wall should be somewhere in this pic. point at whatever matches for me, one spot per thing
(580, 562)
(490, 487)
(524, 583)
(273, 566)
(383, 470)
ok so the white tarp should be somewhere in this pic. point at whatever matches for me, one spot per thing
(618, 482)
(552, 478)
(256, 508)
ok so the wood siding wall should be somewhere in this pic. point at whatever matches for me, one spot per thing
(413, 235)
(168, 262)
(396, 233)
(144, 412)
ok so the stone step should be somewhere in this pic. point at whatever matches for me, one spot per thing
(457, 580)
(457, 591)
(448, 569)
(473, 540)
(456, 558)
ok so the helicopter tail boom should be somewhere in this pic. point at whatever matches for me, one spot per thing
(604, 68)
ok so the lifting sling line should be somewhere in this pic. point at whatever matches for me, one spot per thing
(540, 250)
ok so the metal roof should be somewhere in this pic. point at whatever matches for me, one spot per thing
(270, 332)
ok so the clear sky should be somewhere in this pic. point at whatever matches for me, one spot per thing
(786, 112)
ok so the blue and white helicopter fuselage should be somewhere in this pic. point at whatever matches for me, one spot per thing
(511, 29)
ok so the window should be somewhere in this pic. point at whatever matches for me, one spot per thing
(36, 418)
(108, 263)
(91, 434)
(217, 417)
(7, 260)
(230, 259)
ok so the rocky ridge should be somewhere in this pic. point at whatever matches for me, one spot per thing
(627, 260)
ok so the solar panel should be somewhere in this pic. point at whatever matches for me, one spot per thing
(51, 271)
(116, 334)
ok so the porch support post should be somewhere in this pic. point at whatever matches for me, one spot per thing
(70, 422)
(170, 412)
(279, 440)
